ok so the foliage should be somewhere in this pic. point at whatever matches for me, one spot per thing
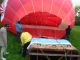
(77, 18)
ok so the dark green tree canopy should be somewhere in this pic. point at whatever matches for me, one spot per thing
(77, 21)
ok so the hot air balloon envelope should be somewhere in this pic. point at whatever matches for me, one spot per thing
(49, 13)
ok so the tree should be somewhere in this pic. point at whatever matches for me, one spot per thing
(77, 21)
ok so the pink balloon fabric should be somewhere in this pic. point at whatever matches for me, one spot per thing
(42, 13)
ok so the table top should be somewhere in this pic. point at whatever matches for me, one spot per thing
(50, 44)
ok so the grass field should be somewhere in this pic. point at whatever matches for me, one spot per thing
(14, 49)
(75, 37)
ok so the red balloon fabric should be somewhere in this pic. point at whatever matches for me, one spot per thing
(42, 19)
(41, 13)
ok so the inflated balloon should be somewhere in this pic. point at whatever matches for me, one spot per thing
(40, 13)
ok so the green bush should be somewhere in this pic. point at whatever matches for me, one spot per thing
(77, 21)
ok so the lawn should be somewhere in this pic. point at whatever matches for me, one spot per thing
(75, 37)
(14, 49)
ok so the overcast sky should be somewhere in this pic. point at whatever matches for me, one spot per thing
(76, 2)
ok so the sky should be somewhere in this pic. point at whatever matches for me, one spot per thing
(76, 2)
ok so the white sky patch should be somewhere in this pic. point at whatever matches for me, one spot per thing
(76, 2)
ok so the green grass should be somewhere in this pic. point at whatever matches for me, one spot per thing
(75, 37)
(14, 49)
